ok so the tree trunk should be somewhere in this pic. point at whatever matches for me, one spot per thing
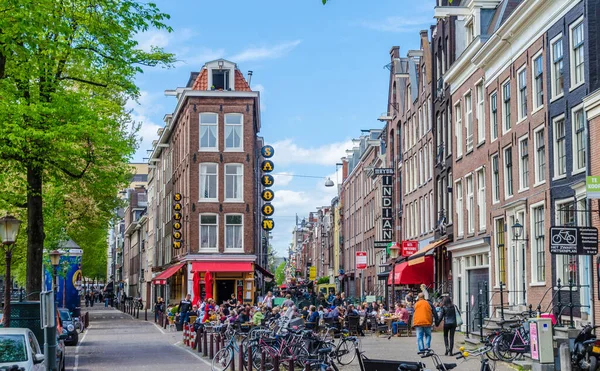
(35, 231)
(7, 287)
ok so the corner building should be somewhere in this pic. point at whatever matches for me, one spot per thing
(209, 152)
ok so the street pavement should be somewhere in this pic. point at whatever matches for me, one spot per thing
(116, 340)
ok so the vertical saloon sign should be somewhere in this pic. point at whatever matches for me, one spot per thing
(267, 181)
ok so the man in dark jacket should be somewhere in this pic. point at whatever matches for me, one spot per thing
(185, 305)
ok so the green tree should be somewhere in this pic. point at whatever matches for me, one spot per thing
(66, 71)
(280, 274)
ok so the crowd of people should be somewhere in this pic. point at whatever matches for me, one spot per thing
(420, 314)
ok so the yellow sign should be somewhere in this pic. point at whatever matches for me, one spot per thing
(267, 151)
(177, 196)
(268, 209)
(267, 166)
(177, 226)
(177, 235)
(313, 273)
(177, 216)
(267, 195)
(268, 224)
(267, 180)
(177, 245)
(177, 207)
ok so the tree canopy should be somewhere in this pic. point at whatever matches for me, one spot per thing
(280, 273)
(66, 71)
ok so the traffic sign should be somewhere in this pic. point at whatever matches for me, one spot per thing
(361, 260)
(409, 247)
(574, 240)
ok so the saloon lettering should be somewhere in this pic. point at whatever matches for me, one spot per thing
(177, 235)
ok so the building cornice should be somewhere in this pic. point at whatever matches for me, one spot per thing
(591, 103)
(463, 68)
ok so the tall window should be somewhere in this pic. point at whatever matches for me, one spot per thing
(481, 198)
(427, 211)
(459, 209)
(208, 231)
(539, 250)
(234, 231)
(538, 75)
(234, 136)
(495, 178)
(577, 56)
(208, 131)
(560, 147)
(579, 145)
(540, 156)
(208, 182)
(508, 172)
(234, 182)
(522, 93)
(506, 106)
(557, 68)
(459, 130)
(500, 251)
(524, 163)
(470, 205)
(450, 213)
(469, 123)
(480, 113)
(494, 116)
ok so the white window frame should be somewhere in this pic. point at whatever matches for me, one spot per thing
(536, 106)
(538, 177)
(481, 199)
(468, 97)
(230, 249)
(553, 85)
(496, 246)
(574, 83)
(480, 94)
(470, 205)
(532, 242)
(460, 222)
(241, 126)
(520, 90)
(506, 121)
(555, 121)
(225, 176)
(208, 249)
(495, 174)
(508, 182)
(209, 199)
(575, 145)
(493, 116)
(522, 163)
(459, 129)
(216, 126)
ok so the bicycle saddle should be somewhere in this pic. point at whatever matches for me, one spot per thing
(447, 366)
(515, 325)
(405, 367)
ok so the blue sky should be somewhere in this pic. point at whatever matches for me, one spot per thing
(320, 71)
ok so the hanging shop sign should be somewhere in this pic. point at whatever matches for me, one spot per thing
(177, 217)
(592, 186)
(409, 247)
(574, 240)
(267, 181)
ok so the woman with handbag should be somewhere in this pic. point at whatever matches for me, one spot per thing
(450, 315)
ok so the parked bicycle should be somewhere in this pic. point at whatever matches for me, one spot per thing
(510, 343)
(482, 353)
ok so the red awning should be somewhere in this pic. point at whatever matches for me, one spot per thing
(222, 266)
(416, 272)
(161, 279)
(264, 272)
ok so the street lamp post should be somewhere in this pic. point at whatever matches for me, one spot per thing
(9, 229)
(50, 331)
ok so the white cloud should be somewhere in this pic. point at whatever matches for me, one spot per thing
(399, 24)
(265, 52)
(287, 152)
(157, 38)
(196, 57)
(283, 178)
(261, 89)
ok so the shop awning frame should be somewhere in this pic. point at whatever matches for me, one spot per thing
(414, 272)
(222, 266)
(161, 279)
(263, 271)
(428, 250)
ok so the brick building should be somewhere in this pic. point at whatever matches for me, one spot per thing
(208, 153)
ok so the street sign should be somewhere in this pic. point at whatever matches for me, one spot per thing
(592, 186)
(409, 247)
(381, 244)
(383, 171)
(574, 240)
(312, 273)
(361, 260)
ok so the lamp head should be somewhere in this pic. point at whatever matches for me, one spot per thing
(9, 229)
(55, 258)
(517, 229)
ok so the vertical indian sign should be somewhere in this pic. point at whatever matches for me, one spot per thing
(387, 215)
(177, 236)
(267, 181)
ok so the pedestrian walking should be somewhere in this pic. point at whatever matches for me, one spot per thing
(423, 320)
(268, 300)
(185, 305)
(448, 315)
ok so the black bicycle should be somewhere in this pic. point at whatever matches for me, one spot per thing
(486, 363)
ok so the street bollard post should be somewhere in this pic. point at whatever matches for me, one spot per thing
(291, 364)
(145, 314)
(218, 343)
(199, 341)
(250, 365)
(211, 350)
(205, 345)
(241, 358)
(263, 360)
(276, 363)
(232, 364)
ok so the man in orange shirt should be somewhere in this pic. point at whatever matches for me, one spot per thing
(423, 320)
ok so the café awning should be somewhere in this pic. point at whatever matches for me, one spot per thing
(221, 266)
(415, 272)
(161, 279)
(428, 250)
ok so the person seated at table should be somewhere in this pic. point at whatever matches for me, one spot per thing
(258, 316)
(321, 312)
(313, 318)
(304, 313)
(400, 317)
(288, 302)
(351, 311)
(334, 312)
(276, 313)
(243, 317)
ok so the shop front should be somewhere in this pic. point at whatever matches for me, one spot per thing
(220, 279)
(170, 284)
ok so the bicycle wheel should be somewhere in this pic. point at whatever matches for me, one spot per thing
(345, 352)
(502, 347)
(222, 359)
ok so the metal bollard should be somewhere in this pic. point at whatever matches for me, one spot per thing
(138, 313)
(223, 342)
(291, 364)
(145, 314)
(307, 366)
(232, 364)
(199, 341)
(565, 357)
(211, 352)
(276, 363)
(241, 358)
(250, 365)
(263, 360)
(218, 343)
(205, 345)
(165, 320)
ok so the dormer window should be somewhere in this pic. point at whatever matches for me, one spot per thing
(220, 79)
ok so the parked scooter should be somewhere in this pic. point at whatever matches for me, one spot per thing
(582, 355)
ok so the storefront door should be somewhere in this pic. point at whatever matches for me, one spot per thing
(224, 290)
(478, 294)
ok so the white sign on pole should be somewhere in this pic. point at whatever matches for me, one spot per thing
(361, 260)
